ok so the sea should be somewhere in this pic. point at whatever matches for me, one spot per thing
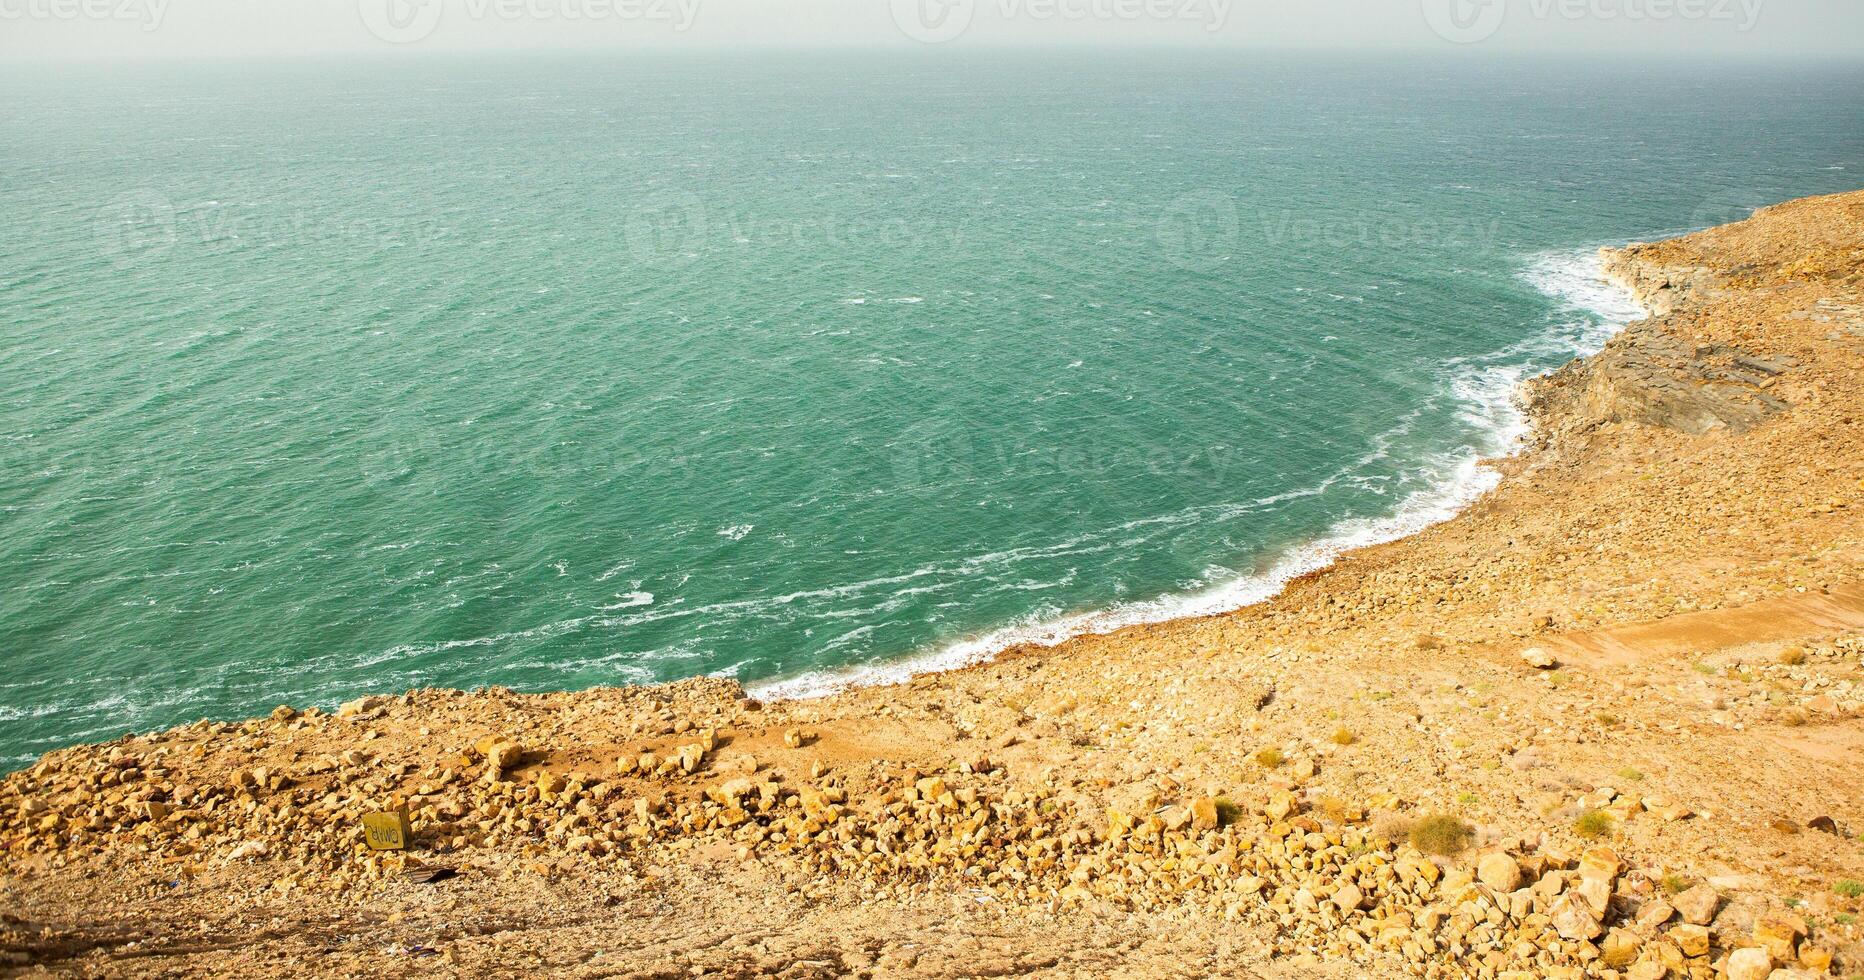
(556, 371)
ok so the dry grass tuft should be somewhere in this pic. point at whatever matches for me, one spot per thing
(1227, 812)
(1594, 824)
(1442, 834)
(1270, 758)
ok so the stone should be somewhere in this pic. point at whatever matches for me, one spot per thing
(1669, 812)
(1350, 898)
(1698, 905)
(1655, 913)
(1749, 964)
(1204, 814)
(730, 792)
(1538, 659)
(1282, 805)
(1692, 940)
(500, 756)
(1575, 919)
(1779, 934)
(1600, 864)
(1596, 891)
(250, 849)
(1500, 872)
(1816, 959)
(360, 706)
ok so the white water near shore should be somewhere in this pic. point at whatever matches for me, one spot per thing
(1591, 311)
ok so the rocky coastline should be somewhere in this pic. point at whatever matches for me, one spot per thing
(1606, 723)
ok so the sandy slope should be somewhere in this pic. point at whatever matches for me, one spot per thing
(1686, 539)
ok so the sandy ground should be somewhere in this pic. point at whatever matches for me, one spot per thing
(1683, 546)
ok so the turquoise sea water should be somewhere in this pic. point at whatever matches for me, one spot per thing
(323, 379)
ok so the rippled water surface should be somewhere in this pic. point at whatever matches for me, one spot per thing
(325, 379)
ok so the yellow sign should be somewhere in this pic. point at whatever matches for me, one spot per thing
(387, 831)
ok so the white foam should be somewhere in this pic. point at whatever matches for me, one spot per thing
(630, 601)
(1591, 311)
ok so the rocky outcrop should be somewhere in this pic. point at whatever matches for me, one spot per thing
(1653, 374)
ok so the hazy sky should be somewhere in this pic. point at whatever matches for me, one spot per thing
(121, 29)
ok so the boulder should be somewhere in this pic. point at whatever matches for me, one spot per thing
(1779, 934)
(1574, 918)
(500, 756)
(360, 706)
(1655, 913)
(1500, 872)
(1749, 964)
(1204, 814)
(1698, 905)
(1692, 940)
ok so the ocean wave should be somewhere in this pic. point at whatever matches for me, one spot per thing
(1589, 311)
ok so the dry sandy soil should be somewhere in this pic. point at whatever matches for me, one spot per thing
(1674, 786)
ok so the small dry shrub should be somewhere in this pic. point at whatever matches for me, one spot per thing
(1391, 828)
(1227, 812)
(1442, 834)
(1593, 824)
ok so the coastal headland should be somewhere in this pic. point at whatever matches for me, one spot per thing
(1608, 722)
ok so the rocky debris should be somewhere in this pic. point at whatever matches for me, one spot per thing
(1317, 878)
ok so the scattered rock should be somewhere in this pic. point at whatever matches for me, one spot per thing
(1749, 964)
(1500, 872)
(1698, 905)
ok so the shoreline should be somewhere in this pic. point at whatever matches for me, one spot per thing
(1601, 723)
(1477, 477)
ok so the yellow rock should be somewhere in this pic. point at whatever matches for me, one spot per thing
(1204, 814)
(1779, 934)
(1500, 872)
(1749, 964)
(1691, 939)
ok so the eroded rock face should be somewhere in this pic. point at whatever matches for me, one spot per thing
(1655, 372)
(1652, 376)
